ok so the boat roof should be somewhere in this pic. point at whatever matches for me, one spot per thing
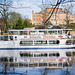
(38, 29)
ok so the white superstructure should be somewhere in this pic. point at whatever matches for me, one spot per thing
(37, 48)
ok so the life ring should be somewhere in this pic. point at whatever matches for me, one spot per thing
(66, 37)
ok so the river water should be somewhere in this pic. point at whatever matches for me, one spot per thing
(39, 71)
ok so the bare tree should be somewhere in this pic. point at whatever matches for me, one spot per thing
(68, 8)
(4, 7)
(53, 4)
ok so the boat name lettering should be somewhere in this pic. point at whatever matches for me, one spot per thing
(41, 36)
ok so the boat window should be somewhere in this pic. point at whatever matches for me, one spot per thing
(64, 32)
(40, 42)
(5, 38)
(23, 65)
(73, 41)
(13, 65)
(42, 64)
(26, 42)
(32, 32)
(10, 59)
(73, 53)
(54, 54)
(57, 41)
(10, 37)
(42, 32)
(3, 59)
(40, 54)
(25, 33)
(68, 42)
(26, 54)
(52, 42)
(21, 33)
(68, 54)
(1, 37)
(57, 54)
(13, 32)
(51, 32)
(59, 32)
(55, 32)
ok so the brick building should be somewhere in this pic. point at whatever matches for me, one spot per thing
(58, 17)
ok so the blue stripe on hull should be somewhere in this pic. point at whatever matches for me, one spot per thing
(34, 48)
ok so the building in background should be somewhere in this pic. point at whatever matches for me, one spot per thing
(58, 17)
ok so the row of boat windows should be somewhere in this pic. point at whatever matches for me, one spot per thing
(6, 59)
(41, 42)
(6, 38)
(37, 32)
(37, 64)
(53, 54)
(39, 54)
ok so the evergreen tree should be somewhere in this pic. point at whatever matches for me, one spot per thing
(26, 23)
(19, 24)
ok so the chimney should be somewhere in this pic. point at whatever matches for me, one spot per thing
(32, 12)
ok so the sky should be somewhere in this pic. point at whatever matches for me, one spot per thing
(26, 7)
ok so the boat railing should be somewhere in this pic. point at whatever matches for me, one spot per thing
(40, 65)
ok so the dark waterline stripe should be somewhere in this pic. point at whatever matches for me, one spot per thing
(34, 48)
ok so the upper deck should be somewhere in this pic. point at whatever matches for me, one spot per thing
(40, 32)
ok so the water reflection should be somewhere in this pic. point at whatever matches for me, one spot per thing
(39, 71)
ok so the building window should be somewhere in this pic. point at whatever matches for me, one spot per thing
(36, 23)
(57, 19)
(63, 19)
(64, 15)
(39, 19)
(57, 15)
(54, 15)
(37, 16)
(39, 23)
(51, 19)
(60, 22)
(36, 19)
(60, 19)
(54, 22)
(34, 15)
(60, 15)
(69, 16)
(54, 19)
